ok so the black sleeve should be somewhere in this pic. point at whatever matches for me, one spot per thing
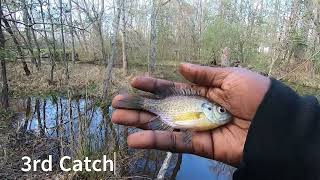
(283, 141)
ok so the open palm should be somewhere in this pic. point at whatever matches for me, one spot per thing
(238, 90)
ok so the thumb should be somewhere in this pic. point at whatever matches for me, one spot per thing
(203, 75)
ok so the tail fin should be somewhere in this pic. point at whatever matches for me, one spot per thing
(131, 102)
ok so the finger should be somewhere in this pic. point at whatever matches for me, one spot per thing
(162, 140)
(134, 118)
(154, 85)
(117, 99)
(127, 101)
(218, 96)
(215, 95)
(201, 143)
(204, 75)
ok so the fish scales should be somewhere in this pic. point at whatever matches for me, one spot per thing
(175, 105)
(182, 112)
(182, 109)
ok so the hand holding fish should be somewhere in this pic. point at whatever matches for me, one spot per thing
(237, 90)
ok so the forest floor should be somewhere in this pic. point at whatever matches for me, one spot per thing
(84, 79)
(88, 79)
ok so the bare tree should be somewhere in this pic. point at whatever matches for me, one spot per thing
(53, 42)
(27, 23)
(124, 40)
(18, 46)
(153, 37)
(291, 29)
(72, 33)
(63, 41)
(51, 55)
(34, 36)
(113, 56)
(82, 33)
(95, 16)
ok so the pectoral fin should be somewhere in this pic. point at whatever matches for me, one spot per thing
(157, 124)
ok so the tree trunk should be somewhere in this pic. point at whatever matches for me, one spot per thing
(317, 25)
(72, 33)
(153, 38)
(103, 49)
(28, 35)
(4, 89)
(241, 51)
(31, 19)
(308, 25)
(200, 30)
(225, 57)
(114, 50)
(124, 41)
(53, 43)
(83, 48)
(99, 28)
(4, 94)
(292, 27)
(51, 55)
(63, 42)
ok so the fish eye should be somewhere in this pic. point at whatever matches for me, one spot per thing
(221, 109)
(209, 108)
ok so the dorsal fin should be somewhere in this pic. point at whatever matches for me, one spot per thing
(173, 91)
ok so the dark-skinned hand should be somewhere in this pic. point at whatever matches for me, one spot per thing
(239, 90)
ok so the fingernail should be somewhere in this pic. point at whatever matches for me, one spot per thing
(185, 64)
(135, 78)
(188, 65)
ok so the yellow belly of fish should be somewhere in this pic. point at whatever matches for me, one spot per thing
(189, 116)
(194, 120)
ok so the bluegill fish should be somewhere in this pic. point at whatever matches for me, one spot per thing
(181, 109)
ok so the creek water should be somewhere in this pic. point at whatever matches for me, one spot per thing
(80, 127)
